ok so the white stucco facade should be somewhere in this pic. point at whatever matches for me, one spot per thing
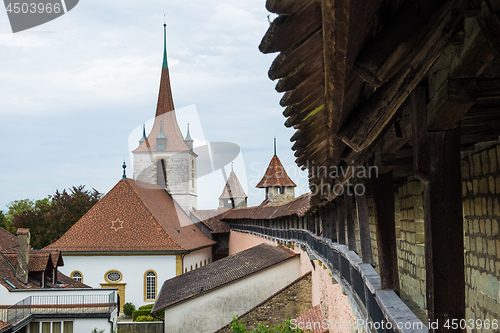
(197, 259)
(215, 309)
(132, 270)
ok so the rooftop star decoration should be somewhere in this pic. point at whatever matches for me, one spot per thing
(117, 225)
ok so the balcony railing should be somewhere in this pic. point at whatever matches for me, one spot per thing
(58, 305)
(380, 310)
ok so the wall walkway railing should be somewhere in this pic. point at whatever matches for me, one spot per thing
(380, 310)
(58, 305)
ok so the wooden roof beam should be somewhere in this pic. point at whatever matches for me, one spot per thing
(287, 7)
(366, 124)
(286, 62)
(490, 25)
(287, 31)
(407, 34)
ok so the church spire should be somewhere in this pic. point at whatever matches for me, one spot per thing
(165, 100)
(165, 62)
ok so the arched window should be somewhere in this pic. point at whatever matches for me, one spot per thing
(201, 263)
(205, 261)
(191, 268)
(196, 266)
(77, 276)
(150, 285)
(186, 270)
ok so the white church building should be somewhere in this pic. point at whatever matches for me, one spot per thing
(139, 233)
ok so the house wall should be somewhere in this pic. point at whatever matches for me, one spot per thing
(80, 325)
(131, 267)
(12, 297)
(325, 291)
(199, 257)
(211, 311)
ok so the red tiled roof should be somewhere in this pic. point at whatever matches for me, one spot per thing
(233, 188)
(205, 214)
(133, 216)
(220, 273)
(38, 258)
(275, 175)
(7, 240)
(165, 99)
(167, 123)
(312, 319)
(298, 206)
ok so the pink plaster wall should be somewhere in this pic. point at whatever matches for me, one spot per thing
(325, 290)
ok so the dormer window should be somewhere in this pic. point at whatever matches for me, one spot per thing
(160, 146)
(161, 140)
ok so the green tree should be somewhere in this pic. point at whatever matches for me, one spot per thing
(49, 218)
(4, 222)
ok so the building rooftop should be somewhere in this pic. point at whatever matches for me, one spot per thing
(233, 188)
(7, 240)
(266, 211)
(275, 175)
(133, 217)
(219, 273)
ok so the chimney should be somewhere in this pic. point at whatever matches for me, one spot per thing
(23, 254)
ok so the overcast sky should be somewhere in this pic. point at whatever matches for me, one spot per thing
(73, 90)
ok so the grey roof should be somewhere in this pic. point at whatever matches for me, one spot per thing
(220, 273)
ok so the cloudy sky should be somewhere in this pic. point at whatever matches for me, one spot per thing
(73, 90)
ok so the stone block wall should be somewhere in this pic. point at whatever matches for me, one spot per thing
(481, 193)
(410, 243)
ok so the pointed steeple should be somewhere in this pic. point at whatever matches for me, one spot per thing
(165, 128)
(165, 100)
(165, 62)
(188, 135)
(144, 137)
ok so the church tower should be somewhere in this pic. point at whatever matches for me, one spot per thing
(279, 187)
(164, 157)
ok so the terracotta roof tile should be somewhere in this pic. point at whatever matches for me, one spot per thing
(275, 175)
(233, 188)
(7, 240)
(133, 216)
(299, 207)
(8, 279)
(39, 259)
(219, 273)
(313, 319)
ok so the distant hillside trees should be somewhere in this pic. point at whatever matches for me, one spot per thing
(49, 218)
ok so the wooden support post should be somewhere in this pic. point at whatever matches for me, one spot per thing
(351, 231)
(340, 221)
(437, 166)
(383, 200)
(332, 214)
(364, 226)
